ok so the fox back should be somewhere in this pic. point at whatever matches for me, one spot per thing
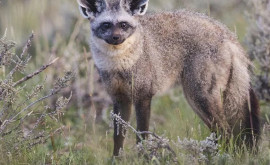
(141, 55)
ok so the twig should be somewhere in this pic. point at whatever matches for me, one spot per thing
(6, 49)
(35, 73)
(115, 116)
(46, 138)
(27, 45)
(3, 126)
(138, 133)
(32, 104)
(157, 137)
(42, 116)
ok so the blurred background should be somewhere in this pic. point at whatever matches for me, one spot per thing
(61, 32)
(52, 18)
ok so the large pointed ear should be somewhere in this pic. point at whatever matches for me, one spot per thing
(90, 8)
(138, 7)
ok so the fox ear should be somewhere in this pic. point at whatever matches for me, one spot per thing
(138, 7)
(90, 8)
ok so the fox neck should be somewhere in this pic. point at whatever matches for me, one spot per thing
(117, 57)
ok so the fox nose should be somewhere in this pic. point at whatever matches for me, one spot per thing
(116, 37)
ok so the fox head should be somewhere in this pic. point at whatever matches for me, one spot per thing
(113, 21)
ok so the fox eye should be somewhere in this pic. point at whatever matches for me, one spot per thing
(124, 25)
(106, 25)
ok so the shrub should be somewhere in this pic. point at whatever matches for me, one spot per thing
(26, 119)
(258, 42)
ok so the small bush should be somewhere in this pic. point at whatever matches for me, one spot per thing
(26, 119)
(258, 42)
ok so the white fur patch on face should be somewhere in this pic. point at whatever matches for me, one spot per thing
(115, 57)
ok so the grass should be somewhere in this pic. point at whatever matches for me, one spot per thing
(60, 32)
(79, 144)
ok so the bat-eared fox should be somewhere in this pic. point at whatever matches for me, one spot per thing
(139, 55)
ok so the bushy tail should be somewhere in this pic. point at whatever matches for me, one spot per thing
(252, 120)
(240, 101)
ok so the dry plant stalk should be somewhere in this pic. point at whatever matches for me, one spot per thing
(151, 148)
(25, 118)
(157, 148)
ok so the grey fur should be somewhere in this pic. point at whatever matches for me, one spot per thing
(173, 48)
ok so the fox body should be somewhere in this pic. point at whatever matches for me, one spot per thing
(141, 55)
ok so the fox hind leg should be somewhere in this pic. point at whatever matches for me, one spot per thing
(203, 86)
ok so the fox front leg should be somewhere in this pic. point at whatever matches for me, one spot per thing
(143, 106)
(122, 107)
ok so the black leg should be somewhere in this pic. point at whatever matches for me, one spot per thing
(143, 112)
(122, 106)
